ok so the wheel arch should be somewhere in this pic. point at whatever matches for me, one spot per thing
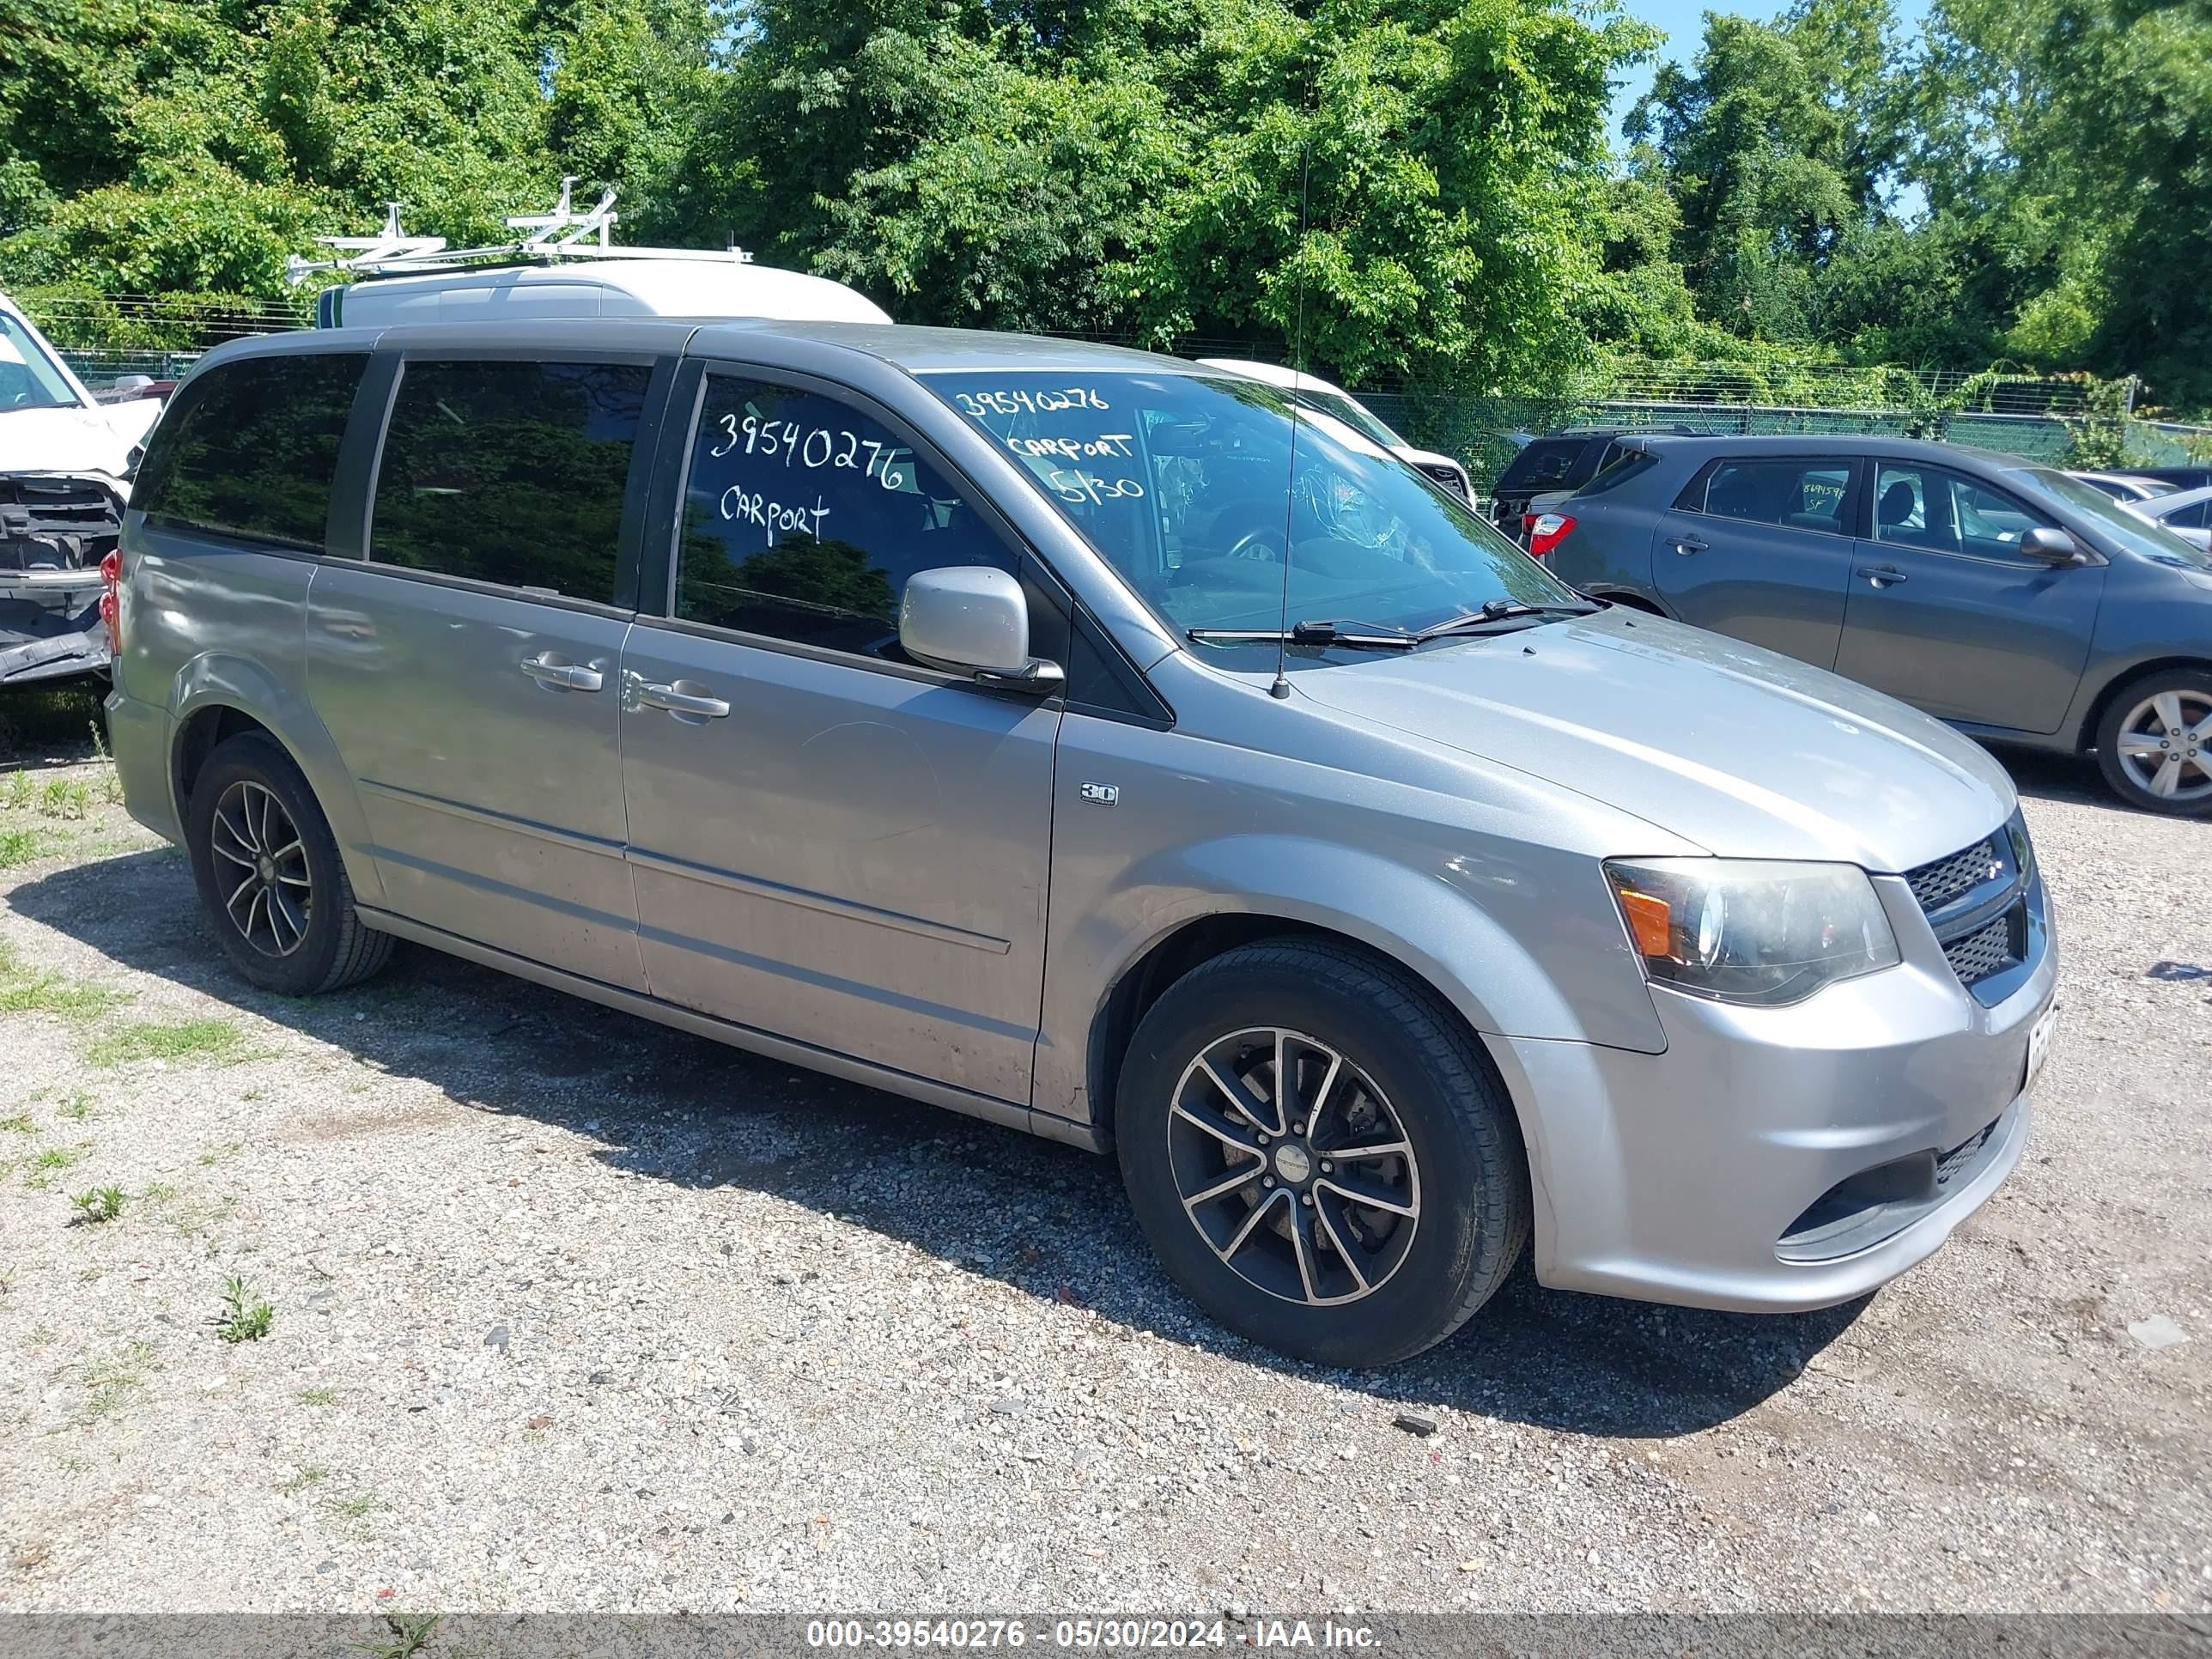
(1198, 940)
(218, 697)
(2121, 682)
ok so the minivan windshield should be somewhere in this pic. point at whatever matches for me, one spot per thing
(1187, 485)
(29, 379)
(2137, 534)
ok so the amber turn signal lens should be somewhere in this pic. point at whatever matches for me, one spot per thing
(1650, 921)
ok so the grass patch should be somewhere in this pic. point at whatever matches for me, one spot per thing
(356, 1508)
(20, 1124)
(216, 1040)
(118, 1381)
(98, 1205)
(319, 1397)
(23, 991)
(18, 846)
(65, 798)
(221, 1150)
(79, 1108)
(310, 1474)
(245, 1316)
(410, 1634)
(51, 1162)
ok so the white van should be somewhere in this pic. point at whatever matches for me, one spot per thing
(1320, 396)
(709, 286)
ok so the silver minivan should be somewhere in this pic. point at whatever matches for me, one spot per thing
(1097, 744)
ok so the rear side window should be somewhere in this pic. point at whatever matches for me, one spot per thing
(1546, 463)
(510, 472)
(1625, 463)
(252, 451)
(1799, 495)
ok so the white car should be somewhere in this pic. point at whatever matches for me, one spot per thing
(48, 422)
(605, 287)
(65, 463)
(1316, 394)
(2186, 512)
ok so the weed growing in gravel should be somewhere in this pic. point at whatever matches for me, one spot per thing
(410, 1632)
(110, 780)
(18, 795)
(17, 846)
(79, 1108)
(355, 1509)
(98, 1204)
(64, 798)
(220, 1150)
(217, 1040)
(116, 1381)
(7, 1280)
(159, 1192)
(51, 1162)
(310, 1474)
(20, 1123)
(319, 1397)
(246, 1317)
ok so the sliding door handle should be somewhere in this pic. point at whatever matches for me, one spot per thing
(683, 699)
(549, 670)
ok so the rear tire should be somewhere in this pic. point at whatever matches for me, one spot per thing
(1288, 1256)
(2155, 742)
(270, 875)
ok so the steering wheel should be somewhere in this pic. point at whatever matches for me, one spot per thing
(1263, 545)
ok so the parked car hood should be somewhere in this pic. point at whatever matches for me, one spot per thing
(71, 439)
(1741, 751)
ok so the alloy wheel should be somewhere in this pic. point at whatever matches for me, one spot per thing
(2166, 746)
(261, 869)
(1293, 1166)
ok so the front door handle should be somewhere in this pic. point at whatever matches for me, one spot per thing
(684, 700)
(1884, 575)
(548, 671)
(1689, 544)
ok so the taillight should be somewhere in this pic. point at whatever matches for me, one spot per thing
(110, 601)
(1546, 531)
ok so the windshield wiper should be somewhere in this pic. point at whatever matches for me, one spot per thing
(1321, 630)
(1499, 611)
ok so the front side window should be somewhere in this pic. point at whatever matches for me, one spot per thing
(1945, 511)
(1797, 495)
(804, 517)
(29, 378)
(1200, 488)
(252, 447)
(510, 472)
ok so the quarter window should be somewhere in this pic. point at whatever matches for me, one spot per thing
(1926, 507)
(510, 472)
(1807, 495)
(804, 518)
(252, 452)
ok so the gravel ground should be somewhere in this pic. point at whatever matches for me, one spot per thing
(571, 1312)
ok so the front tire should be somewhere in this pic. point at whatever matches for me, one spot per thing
(270, 875)
(2155, 742)
(1355, 1217)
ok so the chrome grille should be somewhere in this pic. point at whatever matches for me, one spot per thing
(1938, 883)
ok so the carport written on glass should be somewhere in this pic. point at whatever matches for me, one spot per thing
(804, 518)
(1200, 489)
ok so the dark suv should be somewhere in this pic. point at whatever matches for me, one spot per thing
(2008, 599)
(1558, 461)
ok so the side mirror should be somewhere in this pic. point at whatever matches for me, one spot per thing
(972, 619)
(2050, 545)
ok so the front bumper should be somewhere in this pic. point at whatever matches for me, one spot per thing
(1708, 1176)
(49, 626)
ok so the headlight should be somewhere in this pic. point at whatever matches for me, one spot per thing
(1740, 931)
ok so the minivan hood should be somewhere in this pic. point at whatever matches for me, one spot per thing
(1741, 751)
(77, 439)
